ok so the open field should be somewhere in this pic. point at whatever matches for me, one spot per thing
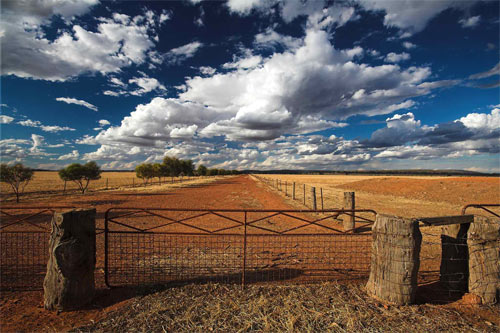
(333, 306)
(411, 196)
(48, 183)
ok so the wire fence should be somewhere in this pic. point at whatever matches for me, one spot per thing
(309, 196)
(24, 247)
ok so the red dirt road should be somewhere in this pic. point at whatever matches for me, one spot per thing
(23, 311)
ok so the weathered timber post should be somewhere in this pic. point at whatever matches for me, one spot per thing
(304, 194)
(483, 240)
(64, 187)
(321, 191)
(106, 183)
(69, 283)
(349, 203)
(395, 259)
(133, 182)
(286, 188)
(313, 194)
(293, 191)
(454, 270)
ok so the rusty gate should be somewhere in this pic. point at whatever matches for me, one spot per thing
(161, 245)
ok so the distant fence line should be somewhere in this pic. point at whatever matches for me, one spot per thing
(310, 196)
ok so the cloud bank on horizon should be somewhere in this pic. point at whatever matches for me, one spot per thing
(257, 84)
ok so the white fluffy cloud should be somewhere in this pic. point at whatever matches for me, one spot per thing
(69, 100)
(396, 57)
(470, 22)
(45, 128)
(5, 119)
(74, 155)
(104, 122)
(181, 53)
(117, 42)
(411, 15)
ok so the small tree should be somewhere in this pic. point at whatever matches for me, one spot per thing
(202, 170)
(145, 171)
(81, 174)
(213, 172)
(17, 176)
(157, 171)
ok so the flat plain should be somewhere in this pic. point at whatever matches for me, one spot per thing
(268, 307)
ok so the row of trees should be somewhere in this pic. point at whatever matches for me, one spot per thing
(174, 167)
(18, 176)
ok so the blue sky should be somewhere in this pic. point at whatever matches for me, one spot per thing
(257, 84)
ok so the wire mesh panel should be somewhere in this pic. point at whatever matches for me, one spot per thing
(307, 258)
(24, 239)
(157, 246)
(443, 273)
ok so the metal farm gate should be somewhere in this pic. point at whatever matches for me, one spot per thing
(157, 246)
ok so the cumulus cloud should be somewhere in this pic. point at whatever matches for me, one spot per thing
(45, 128)
(146, 84)
(74, 155)
(136, 86)
(470, 22)
(411, 15)
(409, 45)
(207, 70)
(115, 42)
(5, 119)
(181, 53)
(104, 122)
(69, 100)
(397, 57)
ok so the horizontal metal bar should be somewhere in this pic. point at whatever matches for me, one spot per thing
(478, 205)
(247, 210)
(446, 220)
(232, 234)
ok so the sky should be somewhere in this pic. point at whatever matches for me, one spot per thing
(252, 84)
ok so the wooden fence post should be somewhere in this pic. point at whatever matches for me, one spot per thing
(107, 183)
(286, 188)
(69, 282)
(304, 194)
(349, 203)
(64, 187)
(313, 194)
(321, 191)
(293, 191)
(395, 259)
(133, 182)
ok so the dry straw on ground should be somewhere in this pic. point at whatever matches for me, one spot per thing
(327, 307)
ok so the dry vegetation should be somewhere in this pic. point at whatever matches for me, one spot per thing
(411, 196)
(327, 307)
(46, 183)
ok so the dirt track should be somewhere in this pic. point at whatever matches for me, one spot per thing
(23, 311)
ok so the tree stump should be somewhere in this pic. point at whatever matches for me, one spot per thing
(483, 240)
(69, 283)
(454, 269)
(395, 259)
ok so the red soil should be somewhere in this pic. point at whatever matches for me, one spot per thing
(24, 312)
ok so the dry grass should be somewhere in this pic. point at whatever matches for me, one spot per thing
(411, 196)
(46, 183)
(329, 307)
